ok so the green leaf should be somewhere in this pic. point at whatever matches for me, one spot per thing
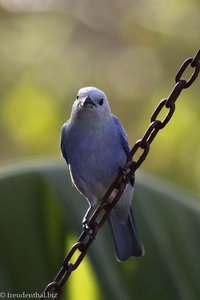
(40, 217)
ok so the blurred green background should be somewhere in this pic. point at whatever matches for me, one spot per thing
(132, 51)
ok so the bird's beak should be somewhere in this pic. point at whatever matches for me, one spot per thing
(87, 102)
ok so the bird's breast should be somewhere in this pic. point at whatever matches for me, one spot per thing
(95, 158)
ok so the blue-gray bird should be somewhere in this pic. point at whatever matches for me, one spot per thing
(95, 146)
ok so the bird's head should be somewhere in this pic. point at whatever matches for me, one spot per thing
(91, 101)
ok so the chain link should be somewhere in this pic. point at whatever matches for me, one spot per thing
(80, 248)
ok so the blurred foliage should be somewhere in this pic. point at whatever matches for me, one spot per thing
(40, 219)
(129, 49)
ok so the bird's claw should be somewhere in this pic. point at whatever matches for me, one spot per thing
(124, 171)
(87, 228)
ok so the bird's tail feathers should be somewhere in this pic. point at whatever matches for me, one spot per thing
(126, 240)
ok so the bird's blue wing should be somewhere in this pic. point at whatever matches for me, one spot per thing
(124, 141)
(63, 146)
(123, 135)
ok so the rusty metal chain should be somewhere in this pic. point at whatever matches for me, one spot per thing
(80, 248)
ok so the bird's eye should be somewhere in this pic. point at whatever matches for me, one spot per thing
(77, 97)
(101, 102)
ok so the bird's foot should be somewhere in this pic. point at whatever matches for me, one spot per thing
(87, 228)
(124, 171)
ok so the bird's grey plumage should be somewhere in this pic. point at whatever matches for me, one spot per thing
(95, 146)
